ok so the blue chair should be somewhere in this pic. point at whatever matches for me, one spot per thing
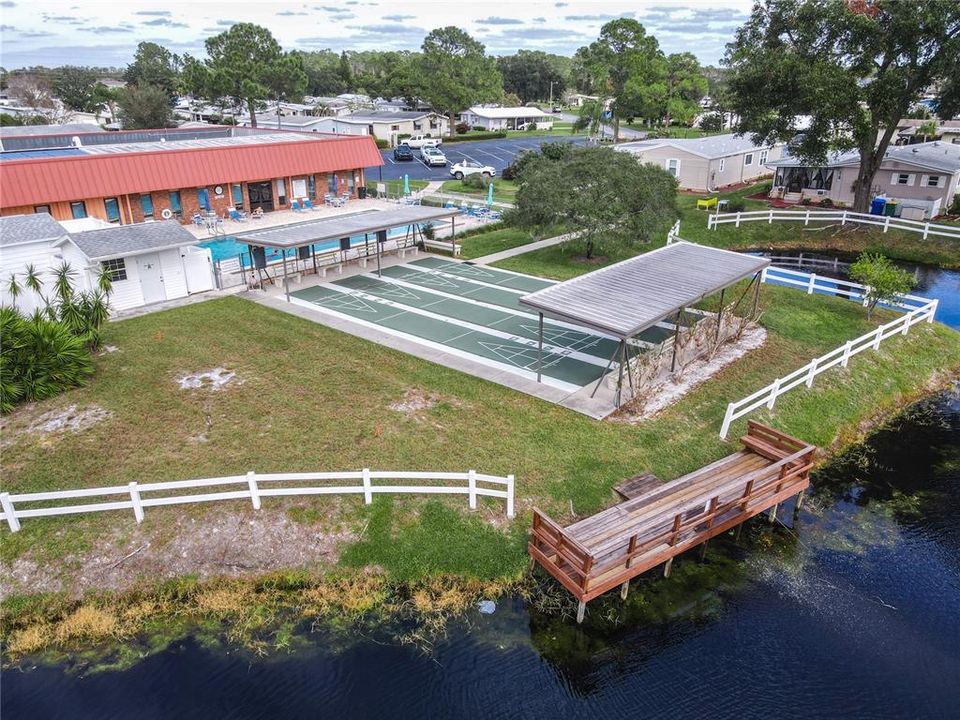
(236, 215)
(308, 204)
(295, 206)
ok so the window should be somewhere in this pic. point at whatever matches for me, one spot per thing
(281, 191)
(175, 205)
(433, 124)
(748, 159)
(78, 209)
(418, 126)
(41, 209)
(299, 187)
(312, 187)
(722, 161)
(902, 179)
(116, 269)
(763, 157)
(146, 204)
(112, 206)
(203, 198)
(332, 183)
(350, 183)
(395, 128)
(933, 181)
(237, 193)
(673, 167)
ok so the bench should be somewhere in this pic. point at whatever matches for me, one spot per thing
(707, 203)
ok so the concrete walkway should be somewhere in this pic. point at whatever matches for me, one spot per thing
(529, 247)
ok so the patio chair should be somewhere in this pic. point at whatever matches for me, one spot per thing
(237, 216)
(344, 198)
(295, 206)
(198, 219)
(308, 204)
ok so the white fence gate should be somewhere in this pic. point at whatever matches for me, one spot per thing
(253, 487)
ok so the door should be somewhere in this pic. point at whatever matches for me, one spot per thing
(151, 281)
(261, 195)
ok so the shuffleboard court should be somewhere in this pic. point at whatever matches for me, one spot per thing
(488, 275)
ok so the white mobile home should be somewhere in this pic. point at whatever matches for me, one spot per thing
(506, 118)
(148, 262)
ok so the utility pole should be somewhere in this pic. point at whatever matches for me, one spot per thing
(551, 94)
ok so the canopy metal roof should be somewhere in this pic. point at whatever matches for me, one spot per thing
(333, 228)
(632, 295)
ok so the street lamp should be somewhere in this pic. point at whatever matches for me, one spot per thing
(551, 93)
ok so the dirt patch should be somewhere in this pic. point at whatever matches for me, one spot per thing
(215, 379)
(221, 542)
(50, 424)
(416, 403)
(595, 260)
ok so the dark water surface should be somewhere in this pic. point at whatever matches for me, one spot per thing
(853, 613)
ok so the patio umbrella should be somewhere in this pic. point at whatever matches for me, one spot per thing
(406, 184)
(489, 194)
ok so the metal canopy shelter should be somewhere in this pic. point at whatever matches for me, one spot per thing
(625, 299)
(307, 234)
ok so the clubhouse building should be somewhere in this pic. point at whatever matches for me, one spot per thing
(142, 175)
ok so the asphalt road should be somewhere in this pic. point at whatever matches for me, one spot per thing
(498, 153)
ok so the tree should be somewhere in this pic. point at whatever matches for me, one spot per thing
(529, 75)
(34, 92)
(455, 73)
(928, 129)
(855, 68)
(323, 73)
(712, 122)
(625, 63)
(608, 198)
(886, 283)
(141, 107)
(154, 65)
(590, 118)
(685, 86)
(75, 87)
(246, 64)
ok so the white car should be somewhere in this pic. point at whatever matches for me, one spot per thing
(433, 156)
(421, 141)
(471, 167)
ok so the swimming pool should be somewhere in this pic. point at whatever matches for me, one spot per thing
(229, 248)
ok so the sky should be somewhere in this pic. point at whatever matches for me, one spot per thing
(86, 32)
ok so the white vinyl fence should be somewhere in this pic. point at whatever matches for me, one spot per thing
(917, 309)
(253, 487)
(842, 216)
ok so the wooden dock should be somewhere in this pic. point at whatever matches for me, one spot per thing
(606, 550)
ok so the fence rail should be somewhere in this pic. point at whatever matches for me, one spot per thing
(842, 216)
(253, 487)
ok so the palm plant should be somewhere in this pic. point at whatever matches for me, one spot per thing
(63, 276)
(31, 279)
(14, 288)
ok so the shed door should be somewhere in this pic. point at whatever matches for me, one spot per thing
(151, 281)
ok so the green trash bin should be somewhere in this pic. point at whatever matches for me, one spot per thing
(891, 208)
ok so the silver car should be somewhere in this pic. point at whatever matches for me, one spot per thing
(433, 156)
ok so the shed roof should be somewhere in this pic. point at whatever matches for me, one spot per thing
(508, 112)
(632, 295)
(22, 229)
(123, 240)
(333, 228)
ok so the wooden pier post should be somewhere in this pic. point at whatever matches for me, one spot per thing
(773, 514)
(624, 589)
(703, 550)
(667, 566)
(736, 535)
(581, 609)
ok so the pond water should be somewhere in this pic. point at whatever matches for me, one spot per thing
(852, 611)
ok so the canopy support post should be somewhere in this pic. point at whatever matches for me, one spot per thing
(604, 373)
(453, 239)
(676, 335)
(379, 248)
(716, 338)
(540, 349)
(756, 296)
(286, 283)
(622, 351)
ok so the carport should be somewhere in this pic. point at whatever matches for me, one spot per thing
(625, 299)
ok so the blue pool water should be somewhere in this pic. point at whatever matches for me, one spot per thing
(228, 248)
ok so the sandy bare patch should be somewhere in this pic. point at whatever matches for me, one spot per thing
(69, 419)
(215, 379)
(416, 402)
(694, 374)
(221, 542)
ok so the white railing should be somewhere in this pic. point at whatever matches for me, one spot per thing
(768, 395)
(824, 285)
(674, 233)
(842, 216)
(253, 487)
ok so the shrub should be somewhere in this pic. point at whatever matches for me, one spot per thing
(736, 205)
(429, 232)
(806, 201)
(826, 202)
(885, 281)
(478, 128)
(712, 122)
(382, 144)
(496, 135)
(955, 207)
(475, 181)
(509, 173)
(765, 188)
(461, 128)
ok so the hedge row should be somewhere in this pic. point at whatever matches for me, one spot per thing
(492, 135)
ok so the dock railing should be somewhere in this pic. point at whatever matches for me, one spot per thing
(926, 229)
(253, 487)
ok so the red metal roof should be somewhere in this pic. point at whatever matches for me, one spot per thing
(45, 180)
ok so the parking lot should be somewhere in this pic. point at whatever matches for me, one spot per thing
(497, 153)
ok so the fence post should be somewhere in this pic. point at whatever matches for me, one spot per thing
(770, 217)
(763, 274)
(254, 490)
(812, 283)
(472, 488)
(727, 419)
(843, 220)
(886, 223)
(879, 333)
(738, 220)
(367, 488)
(926, 230)
(773, 394)
(813, 372)
(510, 483)
(846, 353)
(866, 293)
(806, 219)
(8, 510)
(137, 505)
(933, 309)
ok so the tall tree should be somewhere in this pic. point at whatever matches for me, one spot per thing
(456, 73)
(624, 62)
(531, 75)
(609, 199)
(34, 92)
(685, 86)
(246, 64)
(75, 87)
(854, 68)
(323, 73)
(154, 65)
(143, 107)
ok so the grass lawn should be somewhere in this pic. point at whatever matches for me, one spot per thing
(559, 129)
(312, 398)
(674, 131)
(503, 190)
(500, 237)
(395, 187)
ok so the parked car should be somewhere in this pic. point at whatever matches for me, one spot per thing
(527, 126)
(557, 109)
(421, 141)
(433, 156)
(402, 152)
(471, 167)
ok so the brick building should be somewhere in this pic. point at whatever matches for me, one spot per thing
(130, 177)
